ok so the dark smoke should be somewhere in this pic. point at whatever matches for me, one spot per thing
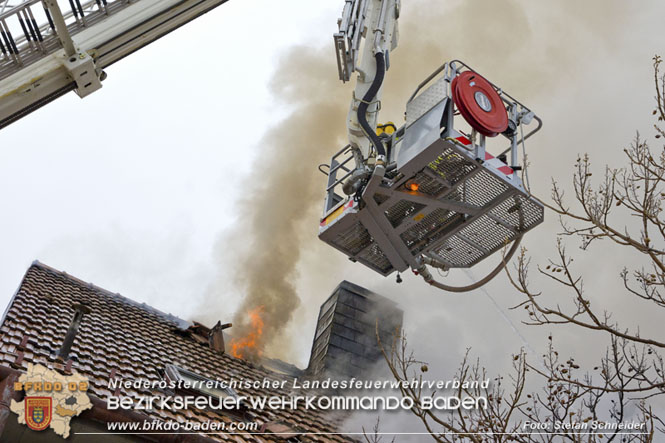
(275, 221)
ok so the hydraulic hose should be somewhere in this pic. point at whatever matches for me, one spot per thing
(368, 98)
(429, 279)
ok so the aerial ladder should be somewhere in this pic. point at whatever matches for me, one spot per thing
(444, 190)
(51, 47)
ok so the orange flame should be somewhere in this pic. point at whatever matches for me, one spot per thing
(248, 346)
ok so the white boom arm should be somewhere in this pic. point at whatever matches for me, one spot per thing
(367, 28)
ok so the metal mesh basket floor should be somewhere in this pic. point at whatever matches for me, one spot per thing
(463, 212)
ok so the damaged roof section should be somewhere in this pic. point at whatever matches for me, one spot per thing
(206, 336)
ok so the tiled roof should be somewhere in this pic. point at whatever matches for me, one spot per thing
(129, 340)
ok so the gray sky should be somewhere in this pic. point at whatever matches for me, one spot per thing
(138, 187)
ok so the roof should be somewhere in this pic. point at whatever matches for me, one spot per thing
(126, 339)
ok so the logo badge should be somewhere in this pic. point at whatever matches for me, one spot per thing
(483, 101)
(38, 412)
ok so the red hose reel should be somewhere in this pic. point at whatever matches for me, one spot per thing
(479, 104)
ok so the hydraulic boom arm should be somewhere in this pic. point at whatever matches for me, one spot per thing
(367, 34)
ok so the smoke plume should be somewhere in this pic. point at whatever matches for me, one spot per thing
(275, 217)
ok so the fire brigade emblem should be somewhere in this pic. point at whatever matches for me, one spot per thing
(38, 412)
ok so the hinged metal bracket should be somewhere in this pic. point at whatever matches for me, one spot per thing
(84, 72)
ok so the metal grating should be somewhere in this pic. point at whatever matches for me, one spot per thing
(429, 185)
(451, 166)
(428, 230)
(488, 233)
(459, 253)
(375, 256)
(480, 189)
(353, 240)
(401, 210)
(519, 212)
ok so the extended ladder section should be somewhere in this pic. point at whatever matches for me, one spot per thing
(51, 47)
(442, 198)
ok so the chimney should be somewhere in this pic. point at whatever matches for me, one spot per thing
(216, 337)
(345, 339)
